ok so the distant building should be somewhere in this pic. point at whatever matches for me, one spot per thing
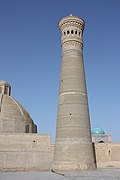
(99, 136)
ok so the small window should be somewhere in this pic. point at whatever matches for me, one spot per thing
(72, 32)
(68, 32)
(79, 33)
(75, 32)
(64, 33)
(27, 128)
(6, 90)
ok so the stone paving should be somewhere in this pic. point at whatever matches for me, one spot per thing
(100, 174)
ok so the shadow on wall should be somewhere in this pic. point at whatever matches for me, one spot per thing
(94, 153)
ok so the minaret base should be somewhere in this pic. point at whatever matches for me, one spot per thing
(71, 166)
(74, 156)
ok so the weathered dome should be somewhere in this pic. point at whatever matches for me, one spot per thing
(97, 130)
(13, 116)
(2, 82)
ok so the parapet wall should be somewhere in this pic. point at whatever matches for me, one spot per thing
(23, 152)
(107, 155)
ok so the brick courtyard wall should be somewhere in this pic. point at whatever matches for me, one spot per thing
(24, 152)
(107, 155)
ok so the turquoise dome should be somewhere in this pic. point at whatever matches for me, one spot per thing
(98, 131)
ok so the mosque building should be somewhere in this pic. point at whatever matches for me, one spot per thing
(76, 146)
(99, 136)
(13, 116)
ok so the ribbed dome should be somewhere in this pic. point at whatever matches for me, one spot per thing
(3, 82)
(98, 130)
(10, 107)
(13, 116)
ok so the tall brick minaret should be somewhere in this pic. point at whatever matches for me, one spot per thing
(73, 146)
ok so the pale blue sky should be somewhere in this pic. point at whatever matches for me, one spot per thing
(30, 57)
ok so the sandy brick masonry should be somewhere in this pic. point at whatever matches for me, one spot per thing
(73, 146)
(107, 155)
(23, 152)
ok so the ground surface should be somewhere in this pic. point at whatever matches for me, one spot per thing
(101, 174)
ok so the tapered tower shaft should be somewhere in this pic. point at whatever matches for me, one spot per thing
(73, 147)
